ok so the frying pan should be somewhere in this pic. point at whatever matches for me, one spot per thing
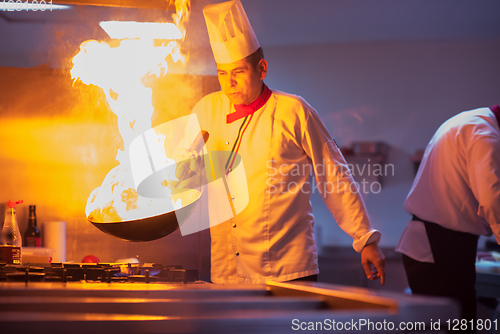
(150, 228)
(155, 227)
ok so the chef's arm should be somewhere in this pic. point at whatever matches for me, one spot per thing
(341, 196)
(483, 164)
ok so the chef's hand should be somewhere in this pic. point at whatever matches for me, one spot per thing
(373, 261)
(188, 164)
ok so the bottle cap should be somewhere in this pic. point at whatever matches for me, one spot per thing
(11, 204)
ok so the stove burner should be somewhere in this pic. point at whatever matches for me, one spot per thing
(25, 277)
(102, 272)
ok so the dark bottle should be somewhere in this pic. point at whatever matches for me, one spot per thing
(32, 234)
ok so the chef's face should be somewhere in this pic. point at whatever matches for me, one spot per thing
(240, 81)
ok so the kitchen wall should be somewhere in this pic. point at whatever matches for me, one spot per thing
(395, 92)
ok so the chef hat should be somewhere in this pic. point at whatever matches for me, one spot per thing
(231, 35)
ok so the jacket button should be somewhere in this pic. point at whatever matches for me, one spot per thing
(237, 253)
(234, 225)
(227, 143)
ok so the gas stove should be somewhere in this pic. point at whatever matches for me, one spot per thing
(101, 272)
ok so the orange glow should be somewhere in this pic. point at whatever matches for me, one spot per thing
(119, 71)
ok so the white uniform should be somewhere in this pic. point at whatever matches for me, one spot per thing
(458, 183)
(273, 237)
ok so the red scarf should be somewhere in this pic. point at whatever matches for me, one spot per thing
(245, 110)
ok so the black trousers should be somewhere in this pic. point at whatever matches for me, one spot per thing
(453, 273)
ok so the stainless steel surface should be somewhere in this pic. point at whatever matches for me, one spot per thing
(98, 272)
(201, 307)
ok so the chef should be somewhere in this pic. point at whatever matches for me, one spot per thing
(280, 139)
(454, 199)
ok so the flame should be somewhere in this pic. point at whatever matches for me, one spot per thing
(118, 70)
(181, 17)
(148, 30)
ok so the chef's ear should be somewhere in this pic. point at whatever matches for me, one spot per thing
(262, 66)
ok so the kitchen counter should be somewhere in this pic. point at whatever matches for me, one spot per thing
(200, 307)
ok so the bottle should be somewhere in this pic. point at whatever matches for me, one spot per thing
(10, 239)
(32, 234)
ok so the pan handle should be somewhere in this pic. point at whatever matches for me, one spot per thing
(199, 141)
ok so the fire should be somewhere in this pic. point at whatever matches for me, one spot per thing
(118, 70)
(148, 30)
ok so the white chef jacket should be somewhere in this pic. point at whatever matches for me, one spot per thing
(458, 182)
(273, 237)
